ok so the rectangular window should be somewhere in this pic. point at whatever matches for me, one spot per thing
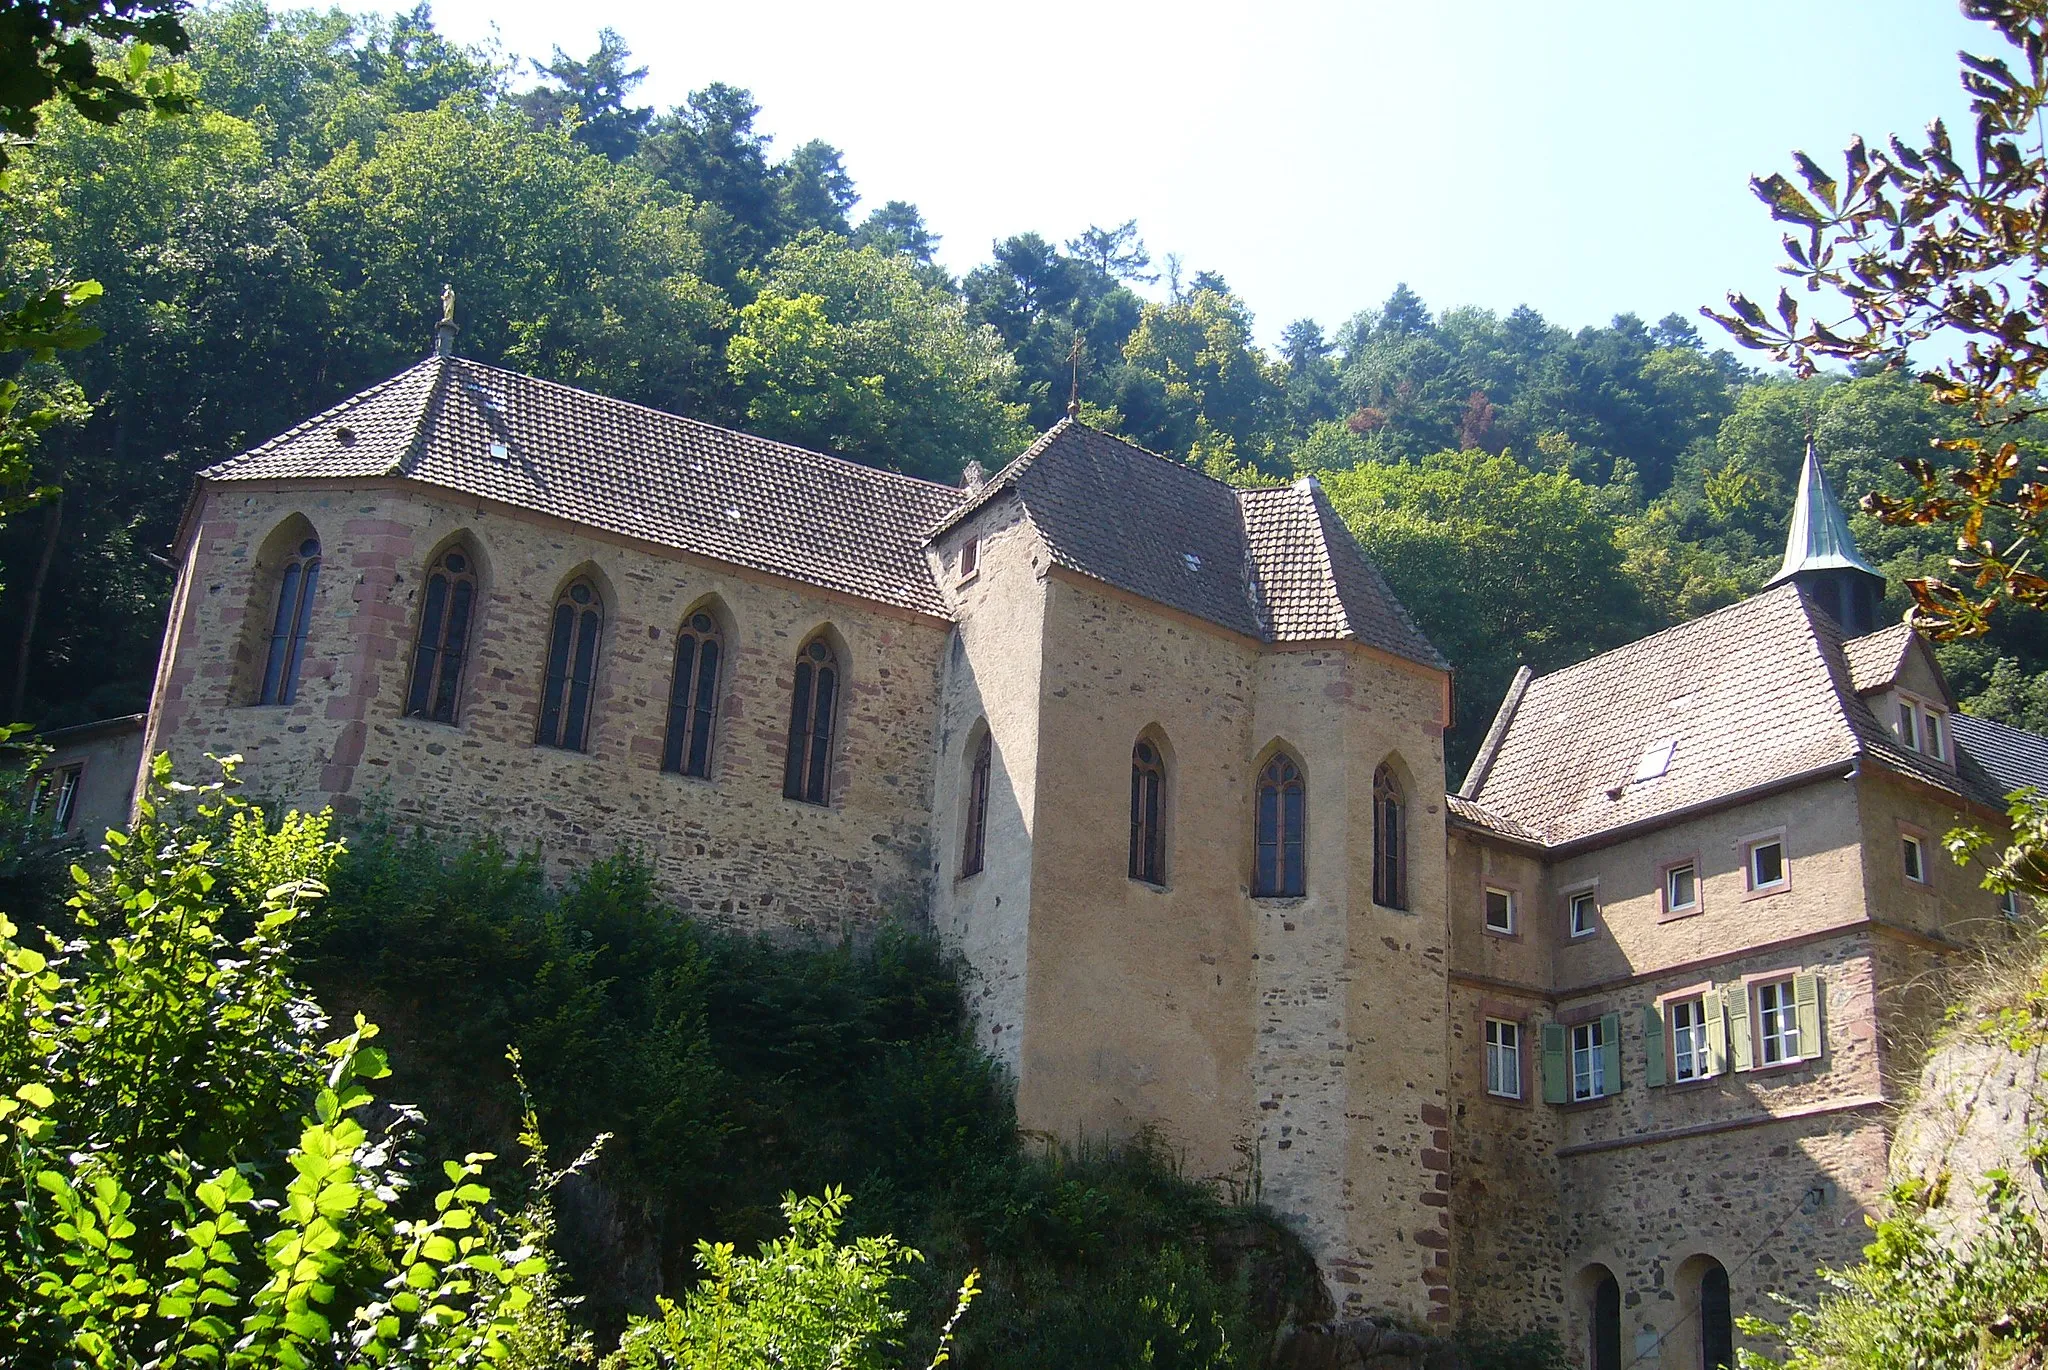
(1777, 1022)
(1503, 1058)
(1930, 735)
(1767, 865)
(1589, 1060)
(1688, 1019)
(55, 800)
(1500, 910)
(1682, 888)
(2009, 906)
(970, 557)
(1584, 909)
(1909, 725)
(1915, 857)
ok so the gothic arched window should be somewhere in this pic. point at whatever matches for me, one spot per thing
(807, 774)
(975, 846)
(446, 607)
(1281, 868)
(572, 666)
(295, 586)
(1148, 813)
(1389, 841)
(693, 696)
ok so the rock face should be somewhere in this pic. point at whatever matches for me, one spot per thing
(1981, 1105)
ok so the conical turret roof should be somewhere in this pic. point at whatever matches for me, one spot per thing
(1819, 539)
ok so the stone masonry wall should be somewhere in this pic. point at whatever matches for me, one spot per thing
(729, 848)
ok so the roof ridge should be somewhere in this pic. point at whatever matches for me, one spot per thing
(1489, 746)
(332, 411)
(705, 423)
(415, 447)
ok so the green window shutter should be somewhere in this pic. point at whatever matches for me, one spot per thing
(1738, 1026)
(1653, 1045)
(1806, 995)
(1557, 1075)
(1610, 1052)
(1717, 1032)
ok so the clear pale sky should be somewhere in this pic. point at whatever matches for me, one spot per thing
(1585, 158)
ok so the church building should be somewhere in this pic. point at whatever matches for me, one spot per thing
(1604, 1040)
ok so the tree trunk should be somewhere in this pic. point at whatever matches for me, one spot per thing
(53, 521)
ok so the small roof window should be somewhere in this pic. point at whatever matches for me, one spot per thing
(499, 451)
(1655, 760)
(1194, 562)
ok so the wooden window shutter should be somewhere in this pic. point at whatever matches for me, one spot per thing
(1806, 996)
(1738, 1027)
(1653, 1044)
(1557, 1074)
(1610, 1052)
(1717, 1032)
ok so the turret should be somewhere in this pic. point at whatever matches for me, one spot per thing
(1821, 557)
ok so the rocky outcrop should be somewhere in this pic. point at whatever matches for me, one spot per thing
(1982, 1106)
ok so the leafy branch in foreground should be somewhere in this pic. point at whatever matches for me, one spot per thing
(1932, 244)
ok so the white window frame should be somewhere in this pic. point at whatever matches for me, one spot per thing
(1775, 1004)
(1503, 1038)
(1671, 906)
(1749, 854)
(1486, 910)
(1589, 1062)
(1913, 855)
(57, 788)
(1690, 1060)
(1591, 900)
(1923, 727)
(2009, 906)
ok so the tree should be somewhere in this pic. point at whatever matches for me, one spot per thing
(1194, 367)
(47, 53)
(898, 226)
(847, 350)
(1919, 244)
(595, 90)
(1118, 253)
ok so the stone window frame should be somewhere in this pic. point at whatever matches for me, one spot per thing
(1522, 1016)
(1570, 895)
(840, 659)
(1608, 1088)
(1747, 845)
(1924, 840)
(725, 633)
(1665, 912)
(1702, 991)
(604, 602)
(969, 560)
(1517, 1053)
(1161, 832)
(1811, 1053)
(282, 549)
(1273, 751)
(1513, 931)
(463, 542)
(1922, 710)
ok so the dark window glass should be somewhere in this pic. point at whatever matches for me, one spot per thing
(287, 657)
(572, 667)
(1717, 1322)
(446, 607)
(1281, 867)
(1148, 812)
(807, 774)
(975, 848)
(1390, 841)
(693, 697)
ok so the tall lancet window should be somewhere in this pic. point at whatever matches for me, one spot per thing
(974, 847)
(296, 582)
(1390, 841)
(814, 699)
(693, 697)
(572, 667)
(446, 606)
(1148, 813)
(1281, 867)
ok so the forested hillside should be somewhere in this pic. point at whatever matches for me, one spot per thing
(1535, 493)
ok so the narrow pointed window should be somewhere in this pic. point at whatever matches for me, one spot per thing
(573, 640)
(975, 847)
(1281, 868)
(807, 774)
(1148, 813)
(295, 586)
(446, 607)
(1390, 841)
(693, 697)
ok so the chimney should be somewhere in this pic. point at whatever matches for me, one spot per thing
(973, 477)
(445, 331)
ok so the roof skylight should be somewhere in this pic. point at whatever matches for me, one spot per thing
(1655, 760)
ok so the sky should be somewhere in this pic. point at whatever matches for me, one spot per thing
(1586, 158)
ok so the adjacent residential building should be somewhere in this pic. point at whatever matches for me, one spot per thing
(1601, 1041)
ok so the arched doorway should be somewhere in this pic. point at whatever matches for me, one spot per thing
(1717, 1319)
(1600, 1298)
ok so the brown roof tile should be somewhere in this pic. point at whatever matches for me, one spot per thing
(1875, 658)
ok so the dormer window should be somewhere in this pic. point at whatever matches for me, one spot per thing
(1922, 727)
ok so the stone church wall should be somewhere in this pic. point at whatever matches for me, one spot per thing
(729, 849)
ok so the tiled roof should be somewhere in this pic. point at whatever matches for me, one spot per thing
(499, 435)
(1465, 811)
(1875, 658)
(1273, 563)
(1752, 695)
(2012, 757)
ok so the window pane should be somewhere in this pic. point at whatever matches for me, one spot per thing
(454, 647)
(1682, 887)
(428, 650)
(703, 711)
(1582, 914)
(682, 687)
(1911, 850)
(817, 784)
(1266, 877)
(576, 717)
(799, 732)
(1766, 864)
(1499, 911)
(557, 675)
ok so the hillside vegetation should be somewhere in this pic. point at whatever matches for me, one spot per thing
(1536, 493)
